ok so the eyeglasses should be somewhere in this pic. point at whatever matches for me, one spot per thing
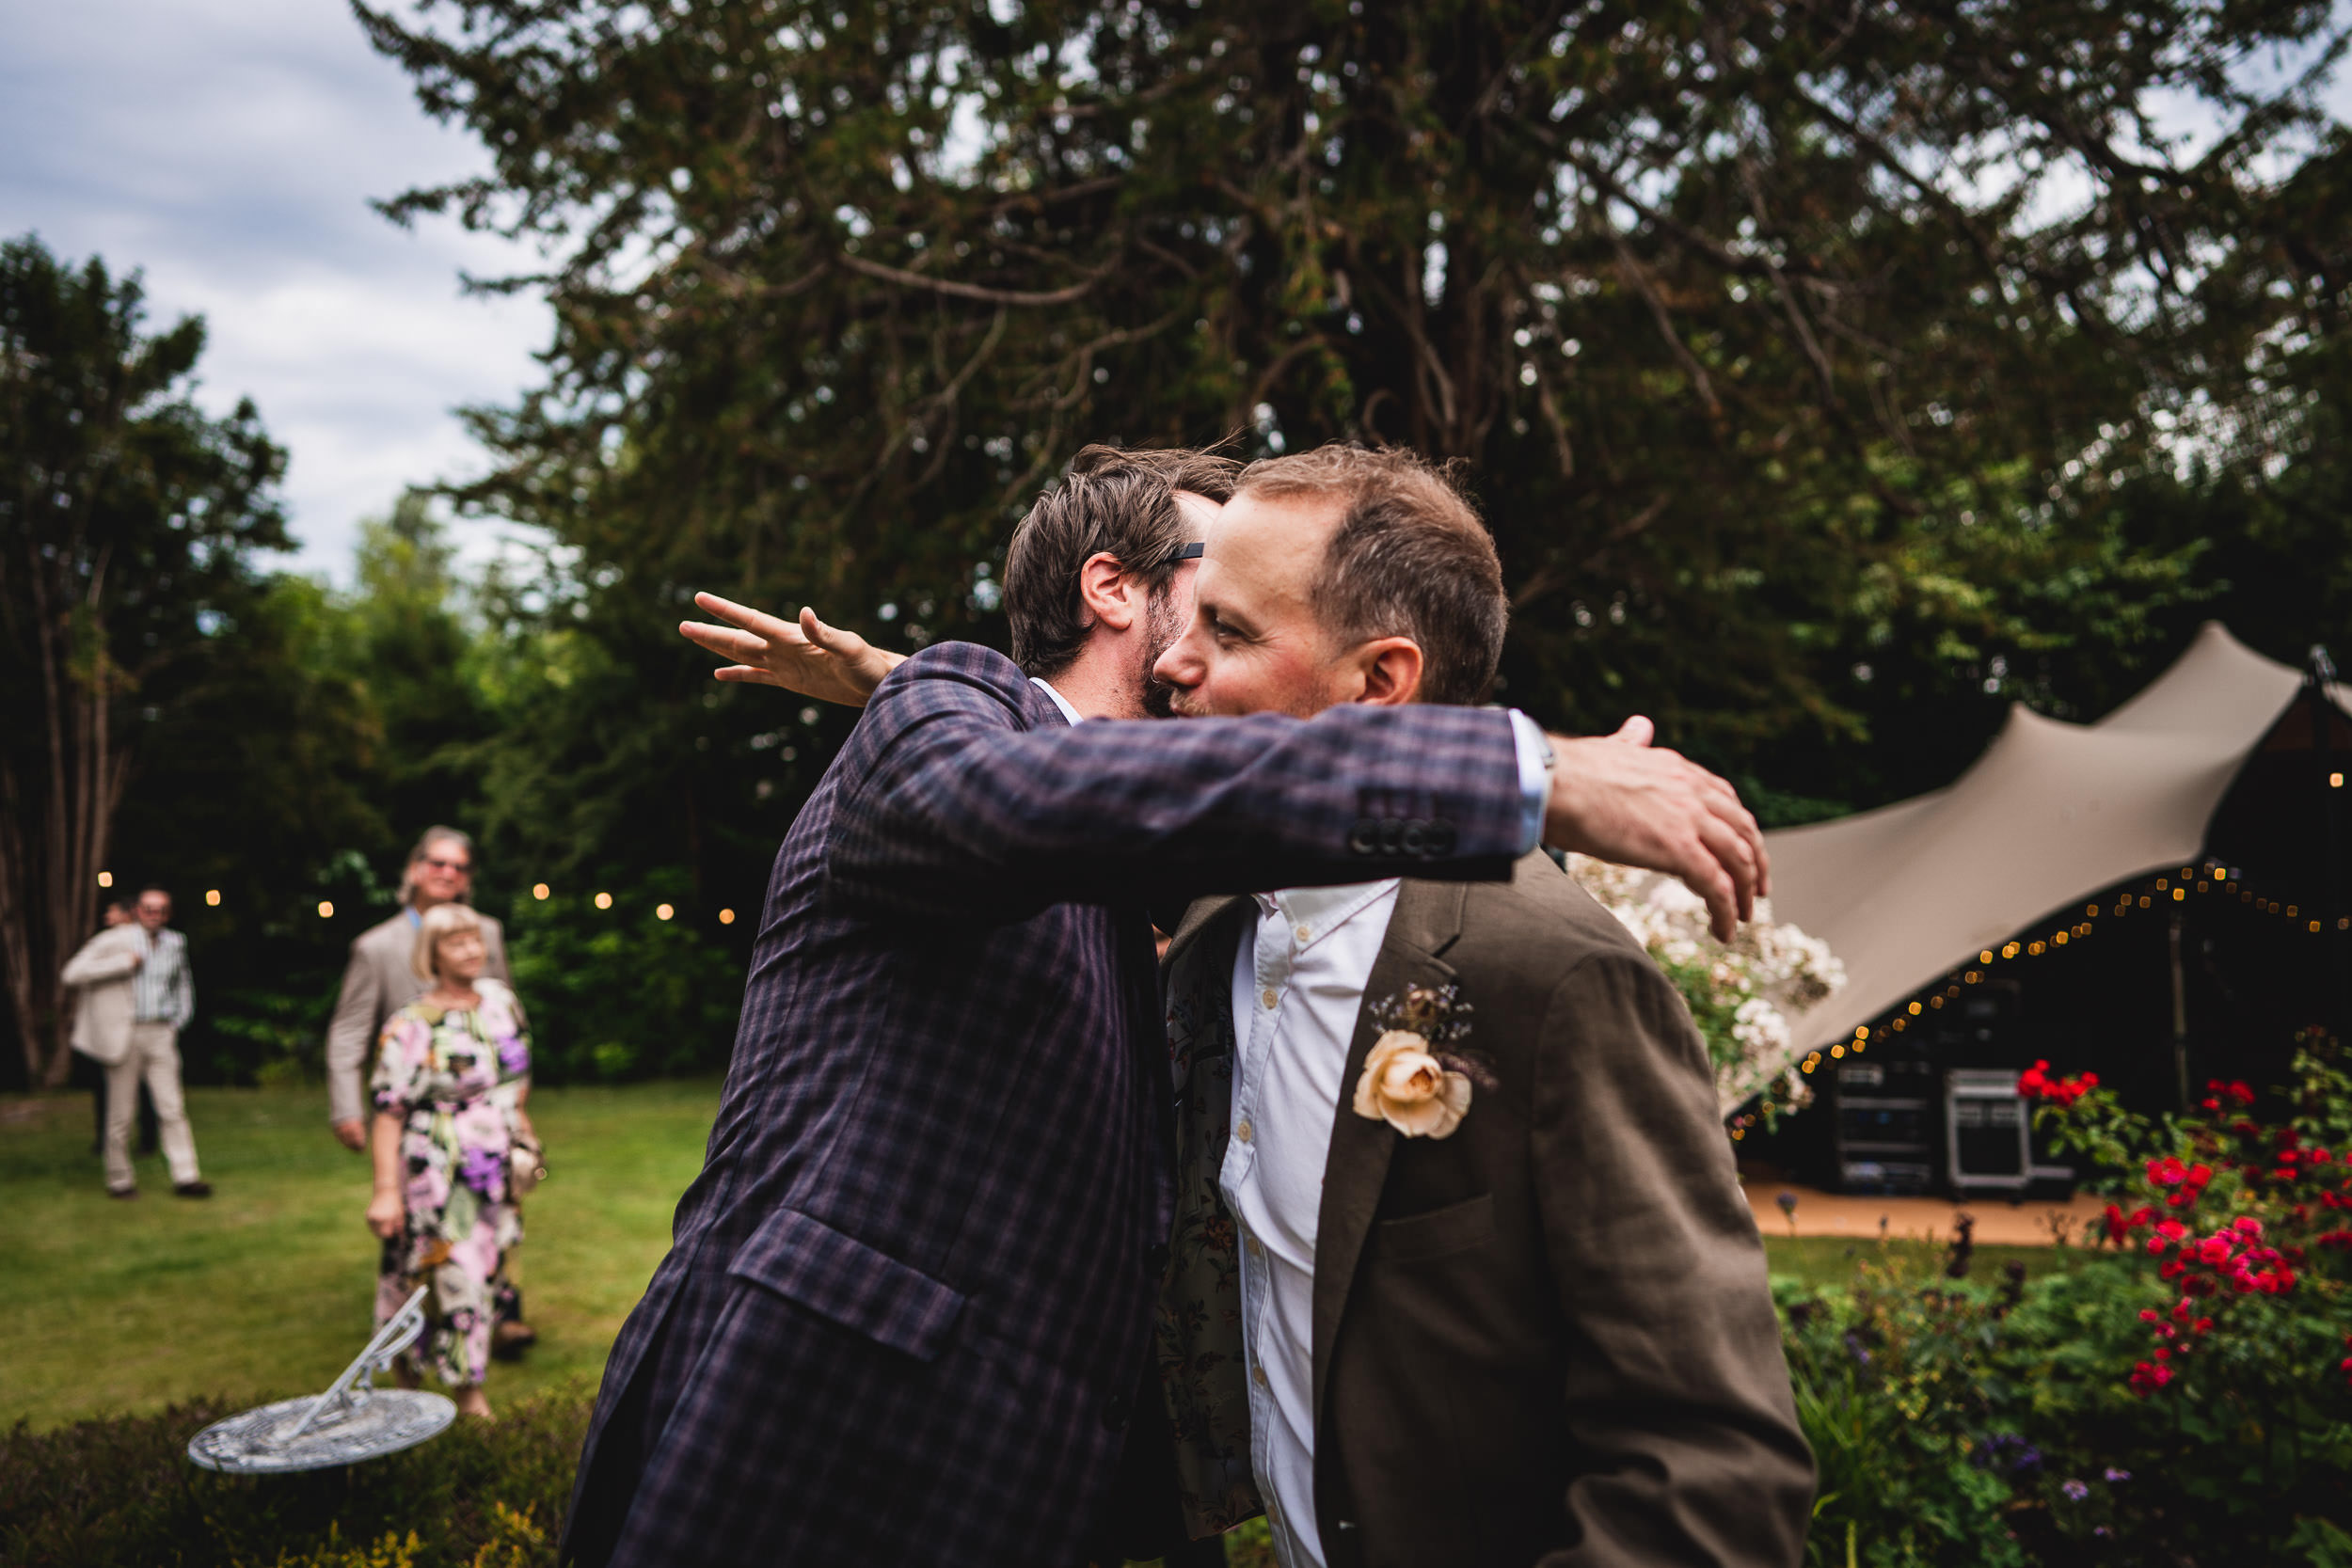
(1187, 552)
(461, 867)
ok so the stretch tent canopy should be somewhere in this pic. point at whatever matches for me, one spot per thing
(2052, 813)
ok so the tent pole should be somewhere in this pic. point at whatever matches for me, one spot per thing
(2322, 673)
(2180, 1016)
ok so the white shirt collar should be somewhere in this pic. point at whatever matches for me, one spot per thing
(1059, 701)
(1319, 910)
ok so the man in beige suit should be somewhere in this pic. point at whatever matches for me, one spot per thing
(380, 980)
(135, 997)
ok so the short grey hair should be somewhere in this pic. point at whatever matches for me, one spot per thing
(439, 921)
(438, 833)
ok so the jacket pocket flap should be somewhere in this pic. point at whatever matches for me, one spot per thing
(840, 1277)
(1438, 1232)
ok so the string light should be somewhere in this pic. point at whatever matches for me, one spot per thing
(726, 917)
(212, 896)
(105, 878)
(604, 900)
(327, 911)
(539, 891)
(2209, 879)
(662, 912)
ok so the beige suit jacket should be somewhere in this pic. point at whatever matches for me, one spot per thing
(103, 1013)
(377, 983)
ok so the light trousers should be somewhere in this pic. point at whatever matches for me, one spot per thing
(154, 1056)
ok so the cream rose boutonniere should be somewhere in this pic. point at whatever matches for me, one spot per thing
(1410, 1079)
(1407, 1086)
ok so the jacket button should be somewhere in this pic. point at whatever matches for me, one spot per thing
(1440, 836)
(1414, 839)
(1364, 838)
(1115, 1412)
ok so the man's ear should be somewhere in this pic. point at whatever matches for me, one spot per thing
(1385, 672)
(1113, 598)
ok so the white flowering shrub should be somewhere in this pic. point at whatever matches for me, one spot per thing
(1742, 995)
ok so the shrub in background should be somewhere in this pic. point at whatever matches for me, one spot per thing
(2176, 1394)
(2204, 1351)
(1888, 1376)
(619, 993)
(120, 1494)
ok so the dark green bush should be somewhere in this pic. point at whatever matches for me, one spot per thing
(1889, 1383)
(2179, 1394)
(121, 1494)
(620, 993)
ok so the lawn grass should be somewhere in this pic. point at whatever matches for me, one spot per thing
(266, 1290)
(1834, 1260)
(145, 1319)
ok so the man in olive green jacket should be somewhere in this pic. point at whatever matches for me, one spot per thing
(1488, 1294)
(1545, 1337)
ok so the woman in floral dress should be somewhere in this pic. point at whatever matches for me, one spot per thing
(451, 1072)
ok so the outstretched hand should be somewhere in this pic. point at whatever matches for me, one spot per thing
(1617, 797)
(811, 658)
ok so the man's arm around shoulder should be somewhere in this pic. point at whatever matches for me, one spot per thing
(111, 955)
(1676, 1394)
(948, 798)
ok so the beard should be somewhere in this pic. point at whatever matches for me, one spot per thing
(1161, 628)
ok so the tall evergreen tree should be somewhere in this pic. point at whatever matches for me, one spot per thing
(1803, 353)
(129, 523)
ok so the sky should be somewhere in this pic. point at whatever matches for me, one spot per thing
(228, 148)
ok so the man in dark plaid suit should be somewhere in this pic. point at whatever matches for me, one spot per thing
(908, 1302)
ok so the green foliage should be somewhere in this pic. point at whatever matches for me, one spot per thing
(129, 525)
(2181, 1393)
(1886, 1379)
(1819, 366)
(98, 1494)
(622, 993)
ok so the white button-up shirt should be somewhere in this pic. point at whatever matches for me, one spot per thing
(1298, 984)
(1059, 701)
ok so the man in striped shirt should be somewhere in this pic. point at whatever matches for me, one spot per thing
(163, 999)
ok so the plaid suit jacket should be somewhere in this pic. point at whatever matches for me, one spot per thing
(908, 1300)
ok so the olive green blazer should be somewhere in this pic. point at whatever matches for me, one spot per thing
(1546, 1339)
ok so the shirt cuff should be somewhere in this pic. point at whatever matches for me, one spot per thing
(1535, 765)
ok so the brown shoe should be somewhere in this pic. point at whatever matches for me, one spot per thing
(193, 1189)
(508, 1339)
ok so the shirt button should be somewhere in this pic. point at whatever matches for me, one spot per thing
(1257, 1375)
(1305, 935)
(1255, 1250)
(1267, 996)
(1242, 1132)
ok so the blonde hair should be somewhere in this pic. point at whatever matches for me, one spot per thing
(439, 921)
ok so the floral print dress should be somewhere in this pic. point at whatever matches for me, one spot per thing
(455, 1079)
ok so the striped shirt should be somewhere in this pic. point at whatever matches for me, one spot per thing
(162, 990)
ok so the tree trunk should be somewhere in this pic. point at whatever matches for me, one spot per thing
(49, 893)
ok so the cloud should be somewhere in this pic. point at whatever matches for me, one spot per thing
(227, 150)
